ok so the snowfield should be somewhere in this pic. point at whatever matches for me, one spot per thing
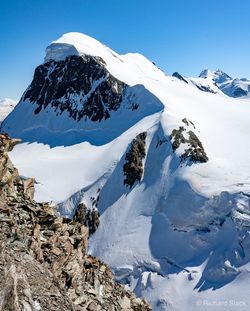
(6, 106)
(181, 236)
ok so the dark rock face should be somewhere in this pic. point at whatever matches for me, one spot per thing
(204, 88)
(177, 137)
(89, 218)
(195, 151)
(78, 85)
(188, 122)
(180, 77)
(43, 260)
(133, 167)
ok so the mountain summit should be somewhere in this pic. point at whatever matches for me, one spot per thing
(79, 89)
(218, 76)
(75, 43)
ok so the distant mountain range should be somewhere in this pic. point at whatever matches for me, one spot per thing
(211, 81)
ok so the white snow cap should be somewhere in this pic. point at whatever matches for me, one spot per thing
(75, 43)
(131, 68)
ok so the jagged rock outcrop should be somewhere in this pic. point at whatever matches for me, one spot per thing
(133, 167)
(87, 217)
(180, 77)
(43, 260)
(204, 88)
(82, 86)
(193, 148)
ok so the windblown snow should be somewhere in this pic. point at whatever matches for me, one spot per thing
(181, 235)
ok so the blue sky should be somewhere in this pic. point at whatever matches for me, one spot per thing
(178, 35)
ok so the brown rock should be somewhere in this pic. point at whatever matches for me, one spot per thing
(133, 167)
(43, 260)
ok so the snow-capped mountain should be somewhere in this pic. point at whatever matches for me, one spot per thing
(77, 95)
(164, 159)
(217, 76)
(6, 106)
(217, 82)
(229, 86)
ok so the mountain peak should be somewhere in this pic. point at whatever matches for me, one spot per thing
(206, 73)
(217, 76)
(75, 43)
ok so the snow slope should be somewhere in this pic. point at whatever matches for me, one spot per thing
(180, 237)
(6, 106)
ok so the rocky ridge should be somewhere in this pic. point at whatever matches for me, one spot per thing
(79, 85)
(43, 259)
(193, 148)
(87, 217)
(133, 166)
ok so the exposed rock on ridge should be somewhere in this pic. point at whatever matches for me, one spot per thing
(43, 260)
(133, 167)
(87, 217)
(82, 86)
(180, 77)
(193, 148)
